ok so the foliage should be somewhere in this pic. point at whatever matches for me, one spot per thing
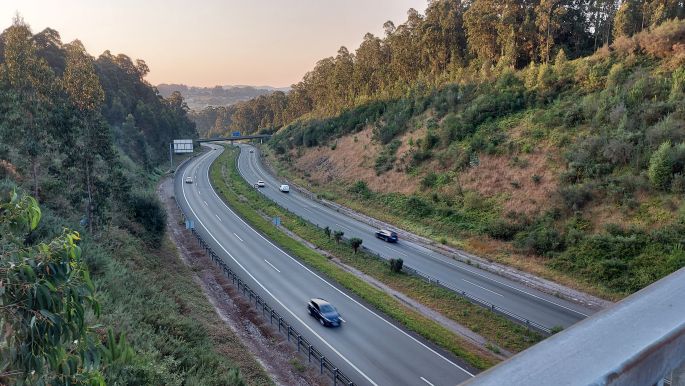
(396, 265)
(355, 243)
(338, 235)
(45, 293)
(660, 167)
(148, 211)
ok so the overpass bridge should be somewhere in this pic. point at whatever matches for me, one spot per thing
(260, 137)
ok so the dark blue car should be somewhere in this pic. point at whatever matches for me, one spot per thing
(324, 312)
(387, 235)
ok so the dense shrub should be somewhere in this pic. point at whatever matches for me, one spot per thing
(660, 167)
(386, 158)
(361, 189)
(416, 206)
(396, 265)
(541, 239)
(149, 212)
(575, 197)
(502, 229)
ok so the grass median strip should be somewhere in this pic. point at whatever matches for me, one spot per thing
(246, 201)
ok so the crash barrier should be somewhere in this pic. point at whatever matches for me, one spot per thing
(471, 298)
(326, 367)
(532, 325)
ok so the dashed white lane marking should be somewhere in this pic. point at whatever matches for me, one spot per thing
(217, 216)
(425, 380)
(342, 320)
(401, 253)
(343, 227)
(205, 203)
(272, 266)
(238, 237)
(472, 283)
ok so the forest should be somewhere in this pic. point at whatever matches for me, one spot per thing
(567, 163)
(84, 140)
(451, 41)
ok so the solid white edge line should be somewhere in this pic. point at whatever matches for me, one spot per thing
(439, 259)
(272, 266)
(331, 285)
(266, 290)
(238, 237)
(425, 380)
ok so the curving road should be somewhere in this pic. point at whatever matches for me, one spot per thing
(516, 298)
(367, 348)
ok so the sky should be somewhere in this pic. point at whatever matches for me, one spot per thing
(215, 42)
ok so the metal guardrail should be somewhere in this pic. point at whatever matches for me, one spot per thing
(413, 271)
(326, 367)
(638, 341)
(471, 298)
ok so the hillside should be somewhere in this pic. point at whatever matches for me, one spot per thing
(574, 170)
(92, 290)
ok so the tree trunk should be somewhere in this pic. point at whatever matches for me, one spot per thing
(90, 197)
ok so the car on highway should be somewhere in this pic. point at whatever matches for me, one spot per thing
(284, 188)
(260, 184)
(251, 150)
(189, 180)
(324, 312)
(389, 236)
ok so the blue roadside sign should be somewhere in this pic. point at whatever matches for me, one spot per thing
(277, 221)
(190, 224)
(235, 134)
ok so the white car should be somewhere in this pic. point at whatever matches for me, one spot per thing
(260, 184)
(284, 188)
(189, 180)
(251, 150)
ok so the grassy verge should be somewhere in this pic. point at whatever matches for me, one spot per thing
(249, 204)
(150, 295)
(480, 245)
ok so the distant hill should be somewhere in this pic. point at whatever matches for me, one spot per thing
(201, 97)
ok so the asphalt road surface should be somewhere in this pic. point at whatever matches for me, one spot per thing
(367, 347)
(536, 306)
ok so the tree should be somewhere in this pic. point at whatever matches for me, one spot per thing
(327, 232)
(629, 18)
(45, 294)
(90, 137)
(355, 243)
(481, 20)
(660, 167)
(29, 81)
(337, 236)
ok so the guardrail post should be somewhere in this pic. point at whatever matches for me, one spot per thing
(321, 362)
(335, 376)
(309, 354)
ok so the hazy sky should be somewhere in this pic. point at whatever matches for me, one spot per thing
(210, 42)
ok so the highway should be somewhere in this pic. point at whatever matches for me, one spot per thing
(536, 306)
(367, 347)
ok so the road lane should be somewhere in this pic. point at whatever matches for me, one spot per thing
(516, 298)
(368, 348)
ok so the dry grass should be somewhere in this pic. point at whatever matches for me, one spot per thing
(352, 160)
(498, 175)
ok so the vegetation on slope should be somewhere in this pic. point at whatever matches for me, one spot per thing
(502, 332)
(604, 134)
(84, 136)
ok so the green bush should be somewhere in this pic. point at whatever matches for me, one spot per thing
(502, 229)
(660, 167)
(576, 196)
(361, 189)
(541, 240)
(148, 211)
(355, 243)
(396, 265)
